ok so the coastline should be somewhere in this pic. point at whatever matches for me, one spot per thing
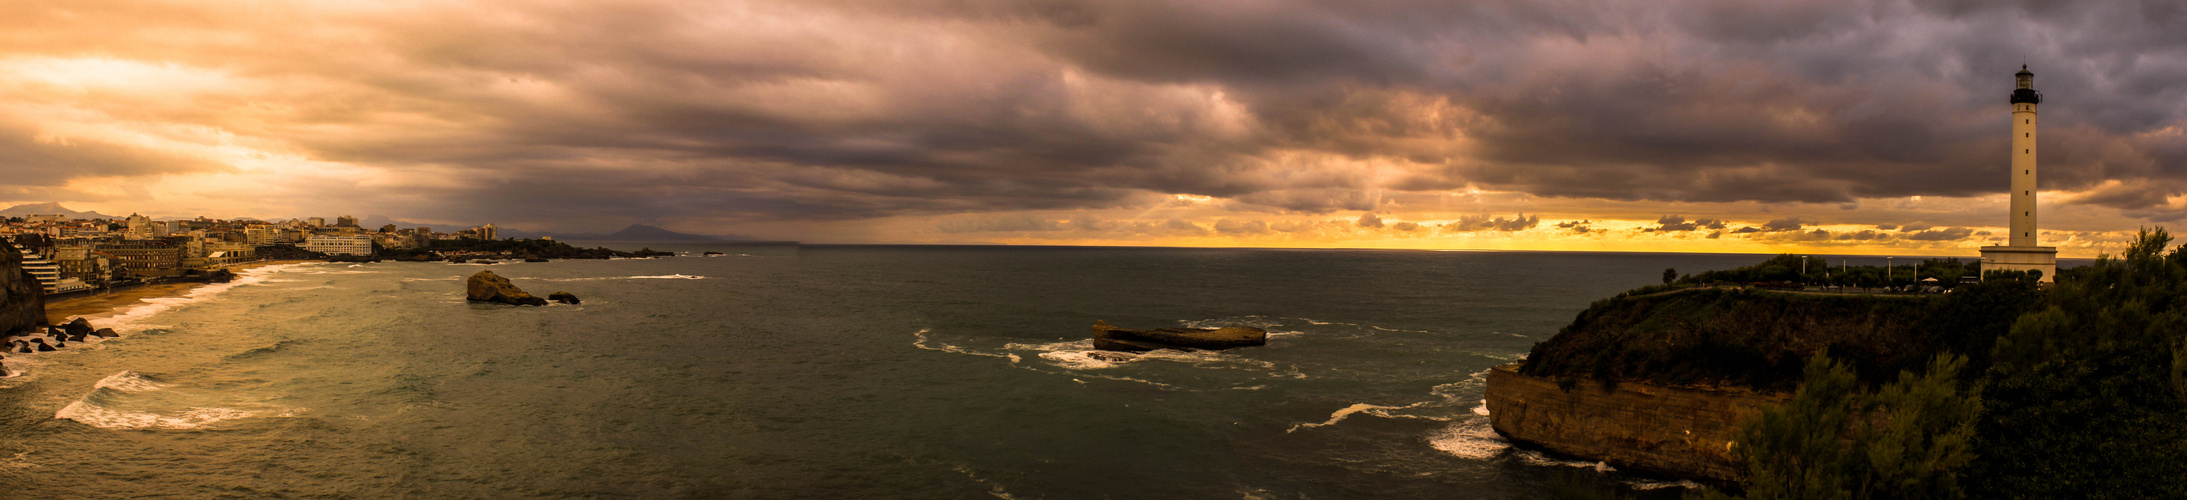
(105, 305)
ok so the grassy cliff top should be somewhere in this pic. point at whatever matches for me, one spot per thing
(1762, 339)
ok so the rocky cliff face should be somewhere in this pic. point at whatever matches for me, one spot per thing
(22, 300)
(1675, 431)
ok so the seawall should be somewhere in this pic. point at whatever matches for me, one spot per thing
(22, 300)
(1680, 432)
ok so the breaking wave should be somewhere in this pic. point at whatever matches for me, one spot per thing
(131, 400)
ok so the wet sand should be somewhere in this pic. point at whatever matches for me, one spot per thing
(96, 306)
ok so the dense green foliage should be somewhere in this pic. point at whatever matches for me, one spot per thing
(2076, 391)
(1761, 339)
(2087, 395)
(1911, 438)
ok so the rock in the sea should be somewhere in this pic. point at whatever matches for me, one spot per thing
(484, 261)
(77, 338)
(76, 328)
(711, 253)
(24, 346)
(1111, 338)
(43, 346)
(489, 287)
(106, 333)
(534, 259)
(563, 297)
(220, 276)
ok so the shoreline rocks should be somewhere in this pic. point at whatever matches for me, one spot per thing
(1111, 338)
(489, 287)
(564, 297)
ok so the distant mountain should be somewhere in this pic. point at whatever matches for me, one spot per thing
(51, 208)
(636, 232)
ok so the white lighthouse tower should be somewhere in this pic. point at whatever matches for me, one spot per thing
(2022, 253)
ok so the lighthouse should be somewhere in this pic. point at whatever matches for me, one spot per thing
(2022, 252)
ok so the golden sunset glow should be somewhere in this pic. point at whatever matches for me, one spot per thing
(1263, 124)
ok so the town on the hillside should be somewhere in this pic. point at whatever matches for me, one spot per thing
(80, 255)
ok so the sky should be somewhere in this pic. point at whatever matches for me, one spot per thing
(1848, 127)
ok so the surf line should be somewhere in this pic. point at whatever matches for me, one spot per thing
(1347, 412)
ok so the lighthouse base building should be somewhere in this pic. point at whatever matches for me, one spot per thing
(2012, 258)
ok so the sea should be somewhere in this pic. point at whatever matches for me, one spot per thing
(812, 371)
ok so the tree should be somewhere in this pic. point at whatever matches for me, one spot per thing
(1909, 439)
(1670, 274)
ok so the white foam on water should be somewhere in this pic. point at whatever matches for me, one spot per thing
(1536, 458)
(923, 341)
(129, 381)
(127, 320)
(1370, 409)
(20, 461)
(1471, 439)
(86, 411)
(1647, 485)
(104, 418)
(661, 277)
(1339, 416)
(993, 489)
(1086, 360)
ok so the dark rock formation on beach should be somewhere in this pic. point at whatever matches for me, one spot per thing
(649, 252)
(220, 276)
(1110, 338)
(534, 259)
(22, 300)
(563, 297)
(76, 328)
(105, 333)
(489, 287)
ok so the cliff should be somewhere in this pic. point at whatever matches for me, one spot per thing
(1761, 339)
(1681, 432)
(22, 300)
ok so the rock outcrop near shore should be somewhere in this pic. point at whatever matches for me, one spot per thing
(1111, 338)
(489, 287)
(22, 300)
(564, 297)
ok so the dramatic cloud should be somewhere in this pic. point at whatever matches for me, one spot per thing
(1471, 223)
(551, 114)
(1675, 223)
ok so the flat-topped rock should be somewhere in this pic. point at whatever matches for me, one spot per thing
(1111, 338)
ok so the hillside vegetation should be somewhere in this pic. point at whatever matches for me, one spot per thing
(1763, 339)
(1995, 390)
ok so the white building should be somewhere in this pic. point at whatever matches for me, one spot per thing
(339, 245)
(2023, 252)
(140, 227)
(45, 271)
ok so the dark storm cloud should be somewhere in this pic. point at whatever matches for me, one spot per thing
(556, 112)
(1944, 234)
(1675, 223)
(1520, 222)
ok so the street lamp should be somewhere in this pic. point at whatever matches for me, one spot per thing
(1887, 272)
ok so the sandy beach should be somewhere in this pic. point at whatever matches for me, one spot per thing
(94, 306)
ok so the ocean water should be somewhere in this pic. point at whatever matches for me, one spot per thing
(819, 372)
